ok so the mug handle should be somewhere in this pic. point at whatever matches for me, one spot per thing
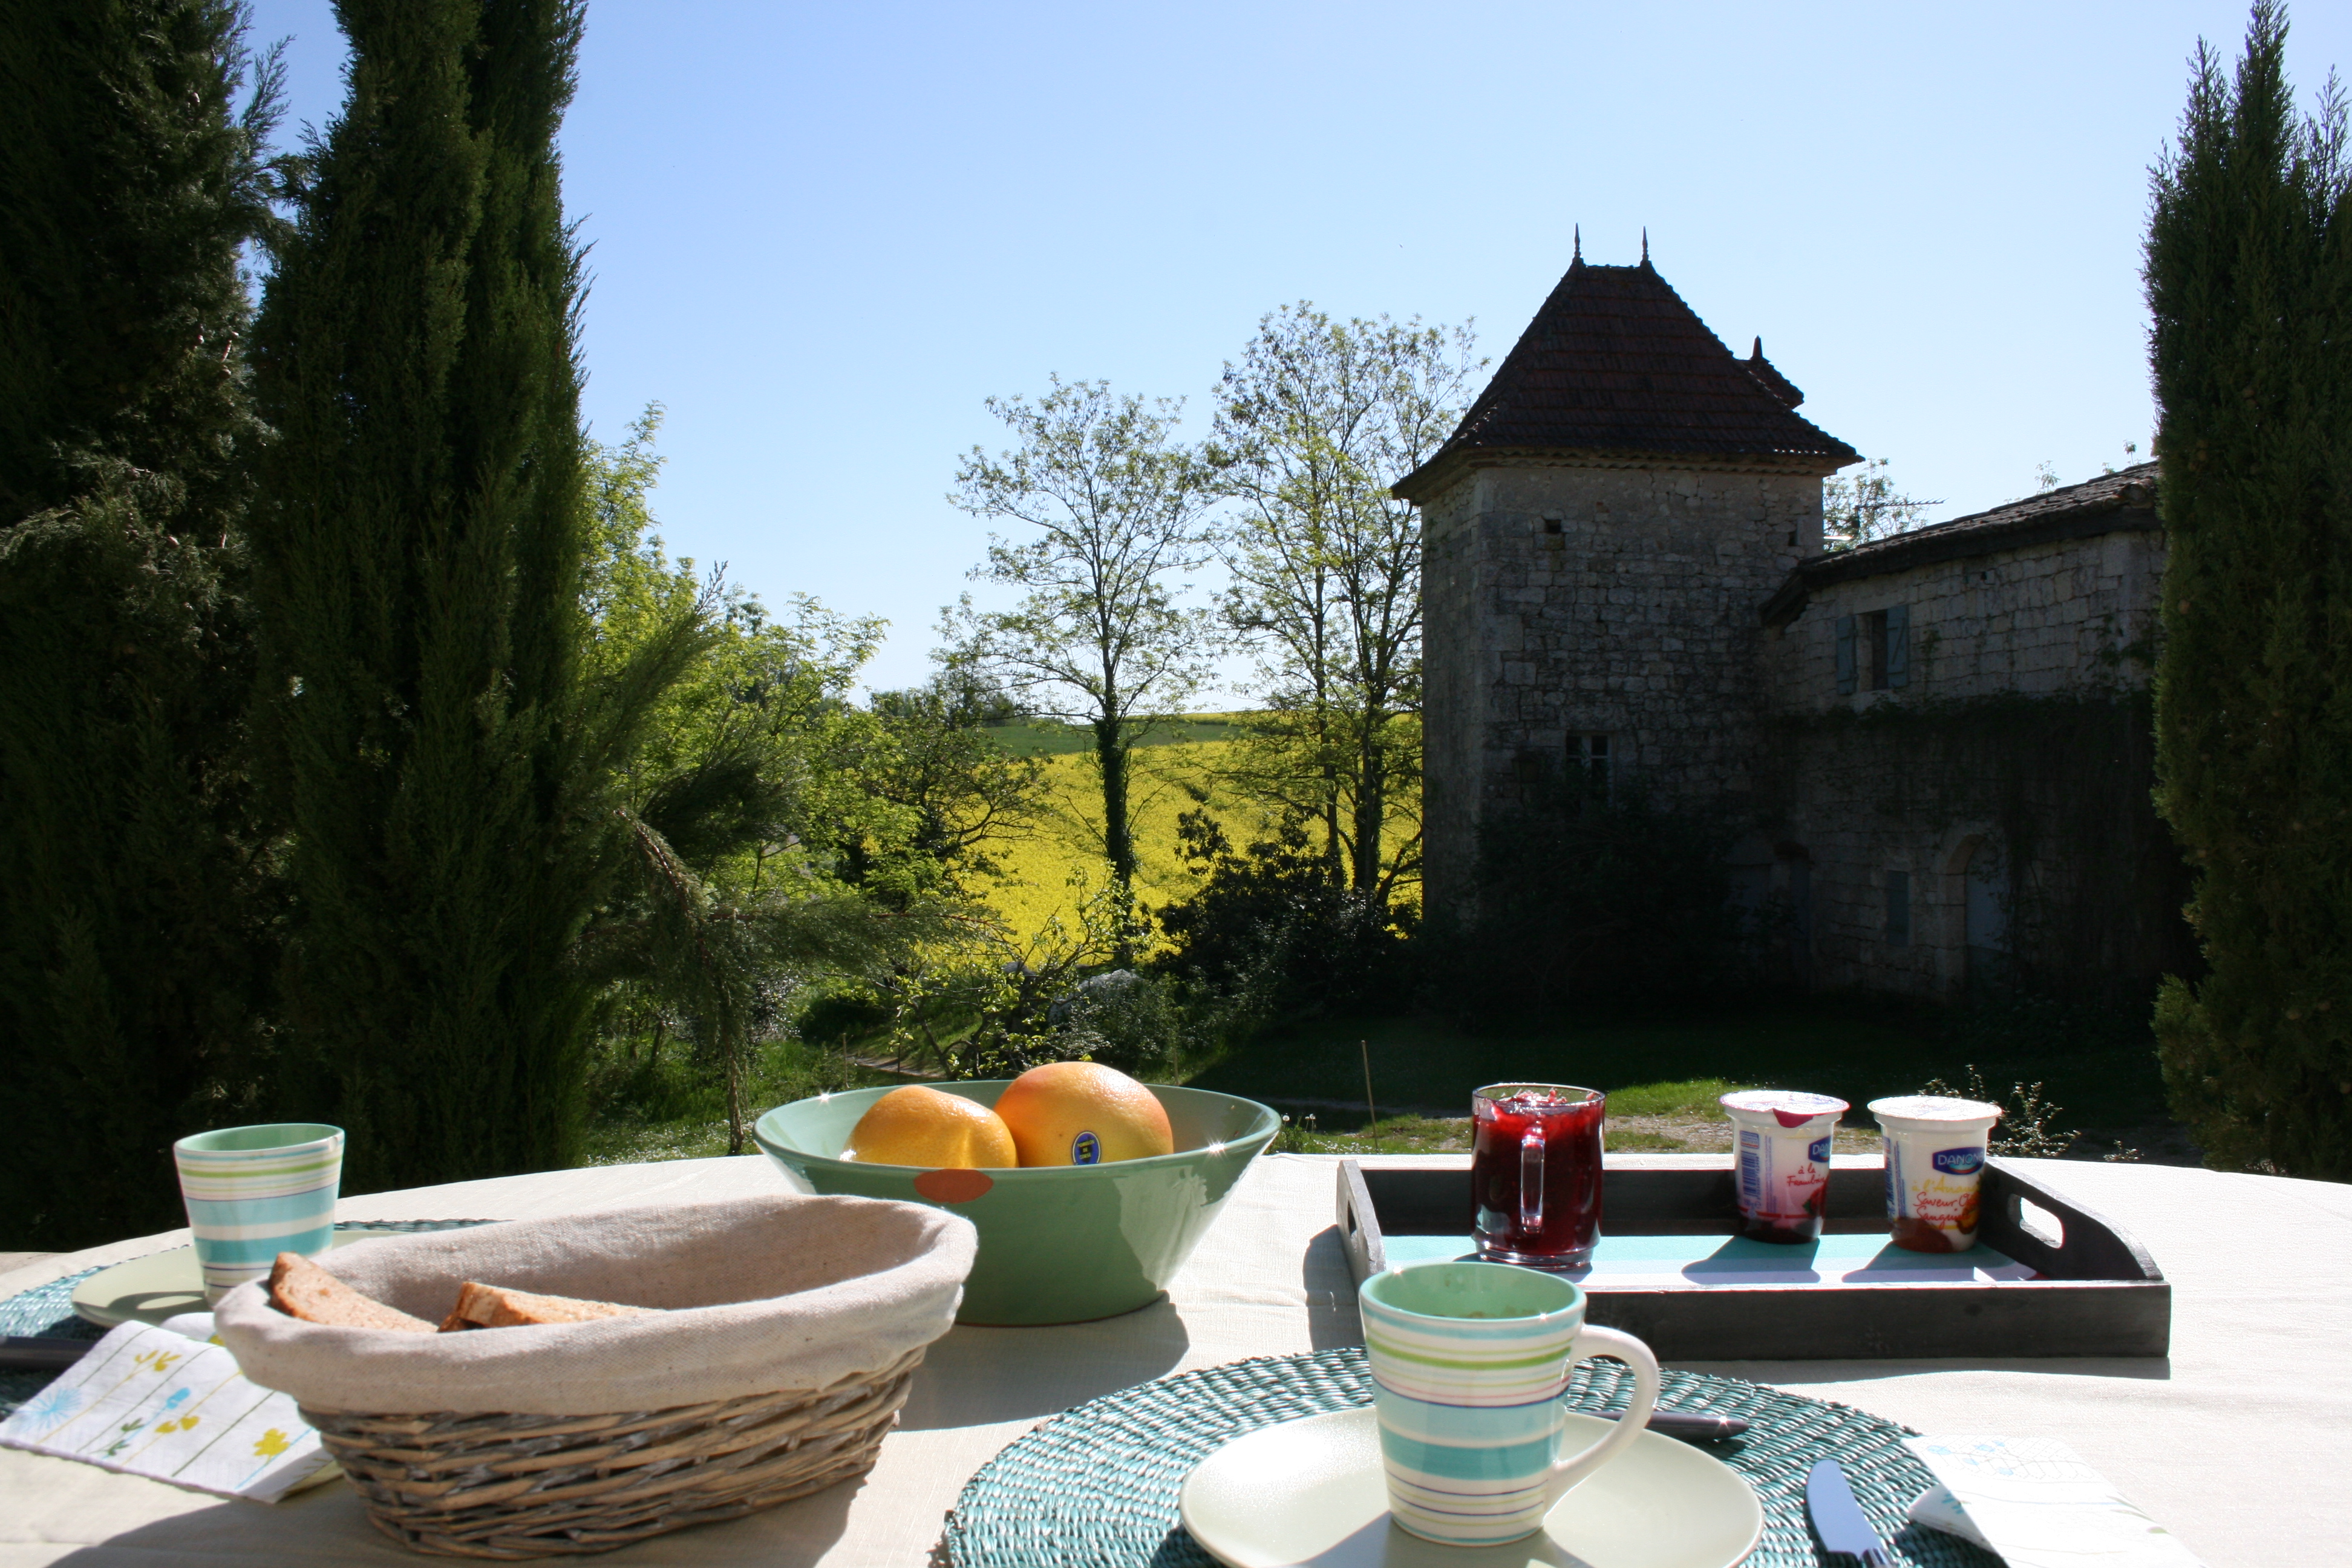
(1634, 1355)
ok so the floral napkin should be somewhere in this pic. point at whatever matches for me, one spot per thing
(150, 1402)
(2036, 1503)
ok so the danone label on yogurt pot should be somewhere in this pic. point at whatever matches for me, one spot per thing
(1935, 1169)
(1941, 1196)
(1782, 1179)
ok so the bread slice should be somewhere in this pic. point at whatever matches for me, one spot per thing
(301, 1288)
(494, 1307)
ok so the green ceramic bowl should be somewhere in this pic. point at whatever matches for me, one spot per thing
(1058, 1243)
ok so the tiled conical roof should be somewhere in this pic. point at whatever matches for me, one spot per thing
(1616, 363)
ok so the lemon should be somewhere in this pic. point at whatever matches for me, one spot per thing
(921, 1126)
(1083, 1114)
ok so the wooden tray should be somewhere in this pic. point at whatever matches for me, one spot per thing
(2088, 1290)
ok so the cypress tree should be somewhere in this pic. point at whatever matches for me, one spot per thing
(2249, 276)
(441, 754)
(134, 931)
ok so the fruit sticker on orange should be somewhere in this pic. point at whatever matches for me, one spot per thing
(1083, 1114)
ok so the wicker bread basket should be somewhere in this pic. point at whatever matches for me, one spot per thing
(792, 1326)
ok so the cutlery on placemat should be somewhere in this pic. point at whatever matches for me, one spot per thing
(1690, 1426)
(1838, 1519)
(40, 1353)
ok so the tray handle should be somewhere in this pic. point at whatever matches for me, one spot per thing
(2090, 1244)
(1359, 1226)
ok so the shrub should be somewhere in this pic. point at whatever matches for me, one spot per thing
(1273, 932)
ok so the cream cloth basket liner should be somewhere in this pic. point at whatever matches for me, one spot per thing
(787, 1291)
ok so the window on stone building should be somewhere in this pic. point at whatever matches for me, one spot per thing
(1588, 758)
(1873, 649)
(1898, 909)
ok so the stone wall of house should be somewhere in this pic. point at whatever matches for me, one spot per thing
(1566, 601)
(1992, 814)
(2062, 617)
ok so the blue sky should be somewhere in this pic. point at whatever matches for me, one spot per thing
(823, 234)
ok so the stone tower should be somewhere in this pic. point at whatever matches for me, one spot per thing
(1598, 538)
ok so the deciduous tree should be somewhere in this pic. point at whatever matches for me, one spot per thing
(1858, 507)
(1111, 504)
(1313, 423)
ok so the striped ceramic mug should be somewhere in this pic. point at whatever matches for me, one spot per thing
(1469, 1361)
(255, 1192)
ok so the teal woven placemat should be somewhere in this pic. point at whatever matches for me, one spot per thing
(48, 1310)
(1095, 1487)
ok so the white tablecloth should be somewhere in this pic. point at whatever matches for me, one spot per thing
(2241, 1442)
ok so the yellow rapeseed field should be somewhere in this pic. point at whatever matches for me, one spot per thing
(1054, 868)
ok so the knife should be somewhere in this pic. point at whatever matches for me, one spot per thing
(1838, 1519)
(1690, 1426)
(41, 1352)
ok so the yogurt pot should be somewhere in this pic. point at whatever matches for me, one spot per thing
(1935, 1161)
(1782, 1139)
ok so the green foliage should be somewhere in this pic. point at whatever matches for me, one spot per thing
(751, 807)
(2029, 1125)
(947, 797)
(1857, 507)
(135, 942)
(1271, 932)
(445, 748)
(2249, 273)
(1113, 507)
(994, 1003)
(1313, 425)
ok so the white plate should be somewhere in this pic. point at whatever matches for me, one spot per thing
(1311, 1492)
(164, 1285)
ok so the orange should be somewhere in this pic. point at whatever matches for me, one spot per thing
(1083, 1114)
(921, 1126)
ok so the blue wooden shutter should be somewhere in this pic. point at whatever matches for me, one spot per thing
(1845, 656)
(1898, 644)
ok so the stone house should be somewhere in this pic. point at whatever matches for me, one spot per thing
(1939, 739)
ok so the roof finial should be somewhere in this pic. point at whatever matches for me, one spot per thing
(1760, 347)
(1646, 245)
(1579, 244)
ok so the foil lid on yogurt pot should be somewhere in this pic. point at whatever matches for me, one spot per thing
(1789, 1107)
(1936, 1112)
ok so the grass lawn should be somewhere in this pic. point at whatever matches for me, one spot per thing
(1663, 1067)
(669, 1109)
